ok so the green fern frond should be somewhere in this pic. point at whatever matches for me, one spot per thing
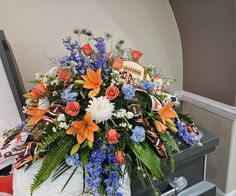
(171, 146)
(47, 141)
(53, 159)
(169, 141)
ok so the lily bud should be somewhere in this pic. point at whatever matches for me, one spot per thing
(74, 149)
(80, 82)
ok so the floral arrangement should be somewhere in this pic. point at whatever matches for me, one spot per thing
(100, 109)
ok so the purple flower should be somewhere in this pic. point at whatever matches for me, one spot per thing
(128, 91)
(138, 134)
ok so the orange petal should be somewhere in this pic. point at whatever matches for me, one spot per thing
(92, 75)
(35, 111)
(81, 136)
(34, 120)
(92, 127)
(90, 136)
(160, 127)
(72, 130)
(93, 92)
(87, 117)
(78, 124)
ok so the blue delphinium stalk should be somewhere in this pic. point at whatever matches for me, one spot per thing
(94, 170)
(68, 96)
(100, 56)
(72, 160)
(147, 85)
(128, 91)
(97, 168)
(138, 134)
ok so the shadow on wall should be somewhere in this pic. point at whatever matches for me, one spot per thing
(35, 30)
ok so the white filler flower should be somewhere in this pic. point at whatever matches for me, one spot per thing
(101, 109)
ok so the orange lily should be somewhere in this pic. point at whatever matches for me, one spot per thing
(37, 115)
(84, 129)
(37, 92)
(167, 112)
(93, 81)
(160, 127)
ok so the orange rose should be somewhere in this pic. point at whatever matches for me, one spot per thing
(112, 92)
(72, 108)
(113, 136)
(87, 50)
(120, 157)
(136, 54)
(63, 75)
(39, 90)
(117, 64)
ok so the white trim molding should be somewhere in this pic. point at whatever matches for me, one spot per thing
(216, 107)
(221, 193)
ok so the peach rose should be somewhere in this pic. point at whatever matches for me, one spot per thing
(72, 108)
(117, 64)
(136, 54)
(113, 136)
(87, 50)
(39, 90)
(120, 157)
(112, 92)
(63, 75)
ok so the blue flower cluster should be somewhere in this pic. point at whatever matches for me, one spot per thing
(83, 62)
(138, 134)
(147, 85)
(100, 56)
(128, 91)
(68, 96)
(72, 160)
(189, 138)
(96, 170)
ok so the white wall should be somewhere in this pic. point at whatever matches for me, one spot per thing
(35, 29)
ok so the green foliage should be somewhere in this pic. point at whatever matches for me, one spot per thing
(84, 156)
(185, 117)
(49, 140)
(169, 142)
(53, 159)
(171, 147)
(146, 154)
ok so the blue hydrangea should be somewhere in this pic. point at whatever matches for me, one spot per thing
(138, 134)
(72, 160)
(147, 85)
(68, 96)
(128, 91)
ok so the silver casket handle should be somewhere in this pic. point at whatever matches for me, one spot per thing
(178, 185)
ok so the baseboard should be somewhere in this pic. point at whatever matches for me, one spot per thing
(221, 193)
(216, 107)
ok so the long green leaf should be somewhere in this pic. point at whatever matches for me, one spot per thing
(148, 156)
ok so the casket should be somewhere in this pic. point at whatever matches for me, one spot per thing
(190, 164)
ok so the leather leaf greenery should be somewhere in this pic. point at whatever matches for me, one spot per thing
(55, 156)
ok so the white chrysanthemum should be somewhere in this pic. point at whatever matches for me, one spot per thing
(101, 109)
